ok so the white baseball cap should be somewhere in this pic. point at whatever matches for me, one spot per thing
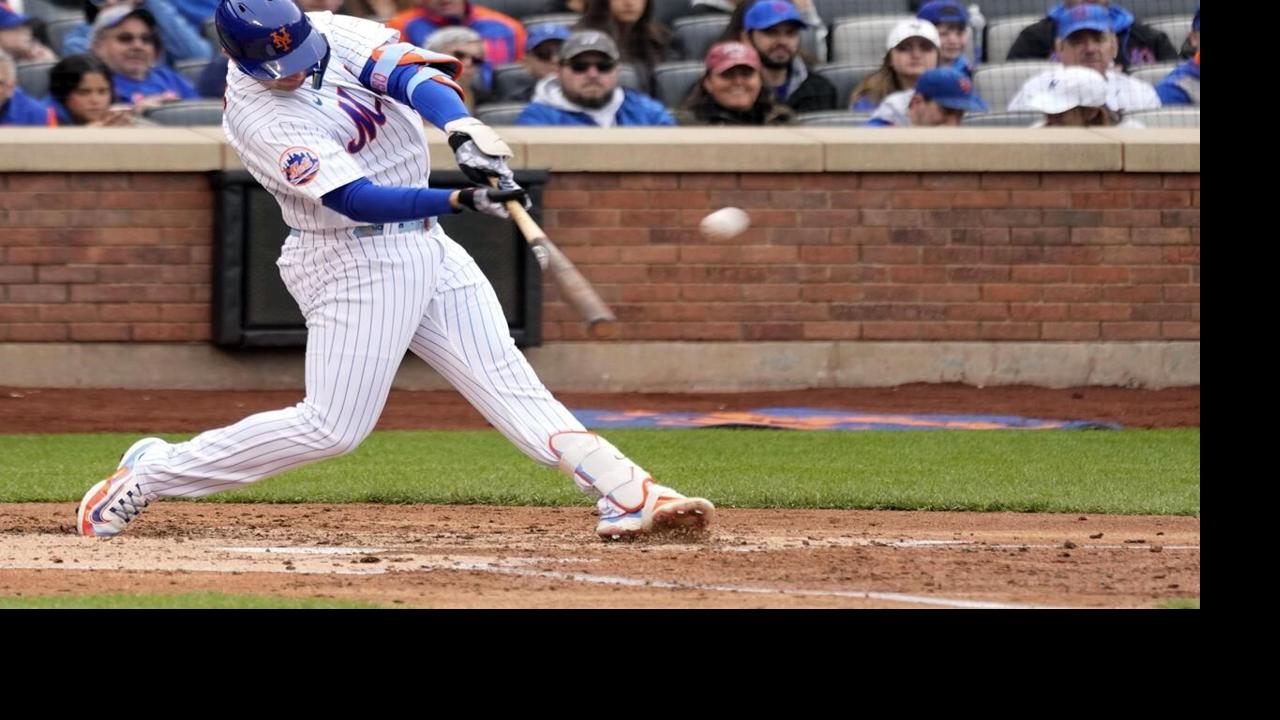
(1069, 87)
(915, 27)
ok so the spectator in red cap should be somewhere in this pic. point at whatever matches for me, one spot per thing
(733, 92)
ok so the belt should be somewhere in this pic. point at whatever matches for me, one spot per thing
(368, 231)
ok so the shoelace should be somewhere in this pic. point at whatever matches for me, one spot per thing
(129, 506)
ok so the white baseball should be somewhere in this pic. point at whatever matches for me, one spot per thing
(725, 223)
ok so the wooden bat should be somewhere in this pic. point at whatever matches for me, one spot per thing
(575, 288)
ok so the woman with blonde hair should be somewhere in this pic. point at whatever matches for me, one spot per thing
(912, 49)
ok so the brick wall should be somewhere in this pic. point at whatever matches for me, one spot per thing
(898, 256)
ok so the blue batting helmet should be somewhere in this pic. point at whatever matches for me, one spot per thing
(270, 39)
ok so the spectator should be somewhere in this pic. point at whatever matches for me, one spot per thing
(585, 90)
(124, 37)
(1075, 97)
(212, 82)
(733, 92)
(1137, 44)
(772, 28)
(1191, 45)
(941, 97)
(630, 23)
(952, 22)
(541, 59)
(1085, 39)
(16, 39)
(466, 45)
(912, 49)
(504, 36)
(379, 10)
(714, 7)
(17, 107)
(179, 38)
(808, 13)
(81, 93)
(1182, 86)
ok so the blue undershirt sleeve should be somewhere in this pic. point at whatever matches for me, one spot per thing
(436, 101)
(363, 201)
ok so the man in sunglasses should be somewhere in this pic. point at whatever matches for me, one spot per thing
(179, 39)
(124, 37)
(467, 46)
(584, 91)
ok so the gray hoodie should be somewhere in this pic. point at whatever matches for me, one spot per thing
(549, 92)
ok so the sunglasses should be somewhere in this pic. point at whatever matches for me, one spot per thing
(580, 67)
(465, 57)
(128, 38)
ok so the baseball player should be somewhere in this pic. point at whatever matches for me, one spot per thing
(326, 112)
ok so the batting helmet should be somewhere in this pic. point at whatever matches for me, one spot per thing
(271, 39)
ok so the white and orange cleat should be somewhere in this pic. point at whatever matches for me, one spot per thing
(662, 512)
(631, 505)
(113, 503)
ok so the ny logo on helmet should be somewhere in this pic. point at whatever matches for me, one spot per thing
(281, 40)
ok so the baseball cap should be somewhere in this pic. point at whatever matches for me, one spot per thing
(726, 55)
(1069, 87)
(767, 13)
(117, 14)
(10, 18)
(586, 41)
(950, 89)
(915, 27)
(1083, 17)
(542, 33)
(944, 11)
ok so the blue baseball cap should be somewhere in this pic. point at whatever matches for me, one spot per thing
(10, 18)
(767, 13)
(944, 11)
(1083, 17)
(542, 33)
(950, 89)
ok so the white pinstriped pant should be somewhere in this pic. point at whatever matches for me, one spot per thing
(366, 301)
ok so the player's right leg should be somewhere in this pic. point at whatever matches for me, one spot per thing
(464, 336)
(361, 309)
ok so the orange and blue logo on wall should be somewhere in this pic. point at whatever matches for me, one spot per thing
(281, 39)
(299, 165)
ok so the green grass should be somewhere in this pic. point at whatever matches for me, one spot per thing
(201, 600)
(1180, 604)
(1126, 472)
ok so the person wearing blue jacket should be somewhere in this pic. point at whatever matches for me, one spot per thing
(585, 90)
(17, 107)
(1139, 44)
(179, 39)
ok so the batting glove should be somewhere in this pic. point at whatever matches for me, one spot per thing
(490, 201)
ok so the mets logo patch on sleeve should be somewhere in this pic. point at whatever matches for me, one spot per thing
(299, 165)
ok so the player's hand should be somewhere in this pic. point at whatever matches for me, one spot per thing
(491, 201)
(480, 153)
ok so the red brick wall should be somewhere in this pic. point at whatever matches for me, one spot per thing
(908, 256)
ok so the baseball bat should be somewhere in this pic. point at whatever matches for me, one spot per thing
(576, 289)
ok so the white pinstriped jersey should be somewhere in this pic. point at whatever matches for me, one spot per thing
(299, 145)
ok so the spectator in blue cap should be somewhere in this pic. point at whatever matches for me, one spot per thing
(773, 28)
(16, 107)
(1182, 86)
(952, 21)
(1137, 44)
(1085, 40)
(941, 97)
(541, 56)
(16, 38)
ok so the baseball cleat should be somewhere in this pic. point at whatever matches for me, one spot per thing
(663, 513)
(113, 503)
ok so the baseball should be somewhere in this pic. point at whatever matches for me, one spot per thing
(725, 223)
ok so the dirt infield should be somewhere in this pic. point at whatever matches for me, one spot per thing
(465, 556)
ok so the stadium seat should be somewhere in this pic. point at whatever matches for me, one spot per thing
(502, 113)
(1001, 36)
(697, 33)
(861, 41)
(33, 78)
(673, 81)
(187, 113)
(834, 118)
(1170, 117)
(1000, 119)
(845, 77)
(997, 84)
